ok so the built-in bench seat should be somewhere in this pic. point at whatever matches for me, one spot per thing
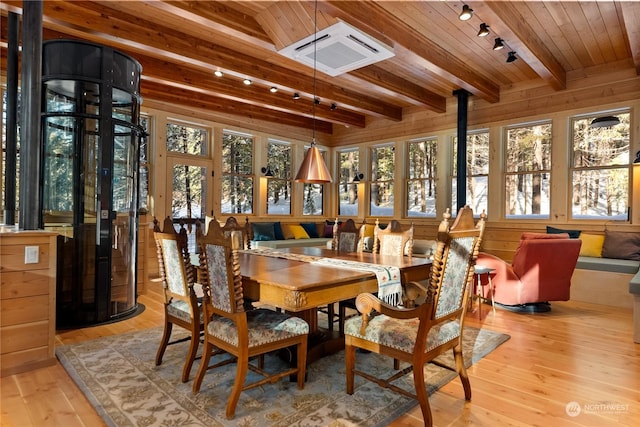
(634, 289)
(290, 243)
(603, 281)
(608, 264)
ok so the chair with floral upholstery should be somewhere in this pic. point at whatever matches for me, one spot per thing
(418, 335)
(241, 333)
(181, 306)
(392, 240)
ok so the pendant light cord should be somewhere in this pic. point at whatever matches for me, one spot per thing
(315, 50)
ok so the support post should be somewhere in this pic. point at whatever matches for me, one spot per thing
(461, 158)
(12, 120)
(30, 135)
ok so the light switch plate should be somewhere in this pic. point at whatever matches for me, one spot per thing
(31, 254)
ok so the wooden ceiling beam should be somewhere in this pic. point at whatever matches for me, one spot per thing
(523, 39)
(442, 63)
(183, 96)
(174, 75)
(631, 17)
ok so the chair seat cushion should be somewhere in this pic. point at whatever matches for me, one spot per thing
(264, 326)
(401, 333)
(180, 309)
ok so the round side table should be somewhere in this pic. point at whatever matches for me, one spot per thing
(479, 271)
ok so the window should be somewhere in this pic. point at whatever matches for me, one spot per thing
(143, 186)
(187, 146)
(313, 196)
(347, 188)
(381, 186)
(279, 187)
(600, 170)
(237, 173)
(477, 173)
(421, 183)
(187, 139)
(528, 171)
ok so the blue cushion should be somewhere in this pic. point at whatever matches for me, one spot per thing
(311, 228)
(263, 231)
(574, 234)
(277, 230)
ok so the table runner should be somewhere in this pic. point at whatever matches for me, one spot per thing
(389, 279)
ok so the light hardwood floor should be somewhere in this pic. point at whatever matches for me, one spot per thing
(578, 352)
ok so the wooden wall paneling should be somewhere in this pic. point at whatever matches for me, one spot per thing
(27, 297)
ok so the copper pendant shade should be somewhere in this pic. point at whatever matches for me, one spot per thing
(313, 169)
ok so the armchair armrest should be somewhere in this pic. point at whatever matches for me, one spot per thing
(366, 303)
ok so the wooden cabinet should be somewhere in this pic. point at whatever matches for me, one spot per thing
(27, 300)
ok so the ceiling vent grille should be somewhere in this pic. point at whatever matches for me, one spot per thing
(339, 49)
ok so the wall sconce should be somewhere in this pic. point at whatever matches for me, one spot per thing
(358, 178)
(268, 173)
(605, 122)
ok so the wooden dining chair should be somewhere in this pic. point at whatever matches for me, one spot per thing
(347, 238)
(418, 335)
(392, 240)
(232, 225)
(181, 304)
(241, 333)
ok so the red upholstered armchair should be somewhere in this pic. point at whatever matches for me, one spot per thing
(540, 272)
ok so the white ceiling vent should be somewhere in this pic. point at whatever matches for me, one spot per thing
(339, 48)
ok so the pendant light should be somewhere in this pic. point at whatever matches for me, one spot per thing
(313, 169)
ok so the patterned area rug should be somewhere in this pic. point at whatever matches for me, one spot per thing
(119, 377)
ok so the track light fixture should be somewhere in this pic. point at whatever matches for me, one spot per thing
(511, 57)
(333, 106)
(498, 44)
(484, 30)
(218, 73)
(466, 13)
(316, 101)
(247, 82)
(637, 160)
(296, 95)
(358, 177)
(268, 173)
(273, 89)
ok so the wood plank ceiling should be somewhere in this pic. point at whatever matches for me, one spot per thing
(181, 43)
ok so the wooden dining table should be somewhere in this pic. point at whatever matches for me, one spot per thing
(300, 287)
